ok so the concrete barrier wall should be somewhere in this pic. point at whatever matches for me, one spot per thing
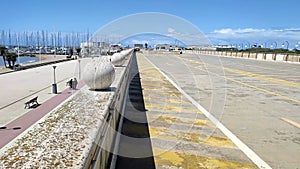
(293, 58)
(100, 155)
(81, 128)
(258, 56)
(239, 54)
(280, 57)
(253, 55)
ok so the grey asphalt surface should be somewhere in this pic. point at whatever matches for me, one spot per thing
(258, 101)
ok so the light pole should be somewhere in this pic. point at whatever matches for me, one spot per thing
(79, 70)
(297, 45)
(54, 86)
(275, 45)
(287, 45)
(247, 45)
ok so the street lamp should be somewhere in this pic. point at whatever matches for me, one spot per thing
(275, 45)
(79, 70)
(54, 86)
(287, 45)
(297, 44)
(247, 45)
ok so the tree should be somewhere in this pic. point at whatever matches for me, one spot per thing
(11, 59)
(71, 52)
(78, 51)
(3, 54)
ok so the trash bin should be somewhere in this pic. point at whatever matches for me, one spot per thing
(74, 83)
(54, 88)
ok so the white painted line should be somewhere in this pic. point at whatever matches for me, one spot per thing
(242, 146)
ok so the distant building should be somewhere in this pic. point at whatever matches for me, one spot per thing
(94, 48)
(212, 48)
(140, 46)
(115, 48)
(163, 47)
(225, 48)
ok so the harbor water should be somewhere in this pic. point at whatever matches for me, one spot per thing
(21, 60)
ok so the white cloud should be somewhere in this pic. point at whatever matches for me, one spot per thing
(171, 30)
(238, 31)
(135, 41)
(224, 31)
(252, 35)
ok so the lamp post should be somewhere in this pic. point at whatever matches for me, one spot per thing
(54, 86)
(247, 45)
(297, 45)
(287, 45)
(79, 70)
(275, 45)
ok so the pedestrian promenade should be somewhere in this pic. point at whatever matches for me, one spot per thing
(22, 123)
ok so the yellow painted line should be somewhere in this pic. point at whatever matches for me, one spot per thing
(295, 124)
(152, 85)
(171, 159)
(263, 77)
(255, 87)
(162, 107)
(166, 100)
(249, 74)
(154, 89)
(166, 94)
(164, 133)
(265, 90)
(174, 119)
(243, 147)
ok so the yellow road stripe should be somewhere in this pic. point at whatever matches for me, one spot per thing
(291, 122)
(263, 77)
(265, 90)
(249, 74)
(159, 132)
(162, 107)
(170, 159)
(146, 93)
(173, 119)
(255, 87)
(166, 100)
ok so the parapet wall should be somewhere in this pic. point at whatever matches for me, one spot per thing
(79, 133)
(259, 56)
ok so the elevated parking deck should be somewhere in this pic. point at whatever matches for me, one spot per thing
(163, 129)
(151, 117)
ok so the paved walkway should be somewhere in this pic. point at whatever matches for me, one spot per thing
(22, 123)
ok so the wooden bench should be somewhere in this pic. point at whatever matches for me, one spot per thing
(31, 101)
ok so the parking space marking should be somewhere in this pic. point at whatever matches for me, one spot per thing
(251, 86)
(249, 74)
(185, 160)
(255, 87)
(210, 140)
(173, 119)
(243, 147)
(293, 123)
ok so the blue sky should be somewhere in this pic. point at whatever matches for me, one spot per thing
(223, 21)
